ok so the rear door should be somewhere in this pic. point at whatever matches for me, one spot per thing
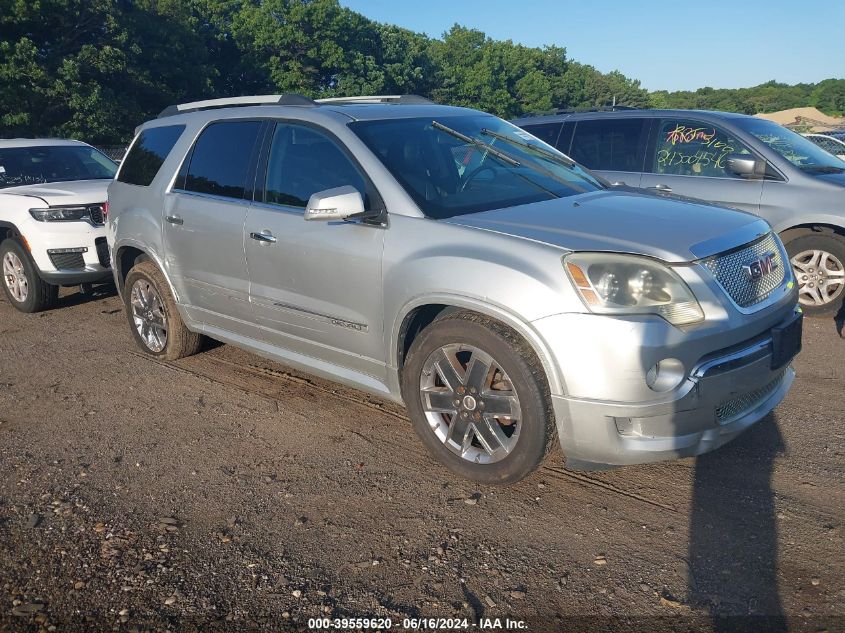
(612, 147)
(203, 231)
(315, 287)
(688, 157)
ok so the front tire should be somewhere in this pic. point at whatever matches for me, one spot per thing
(155, 322)
(818, 261)
(478, 398)
(22, 284)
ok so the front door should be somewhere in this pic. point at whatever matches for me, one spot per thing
(688, 158)
(315, 287)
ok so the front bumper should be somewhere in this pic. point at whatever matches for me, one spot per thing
(724, 394)
(69, 253)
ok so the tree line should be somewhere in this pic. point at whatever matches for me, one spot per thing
(94, 69)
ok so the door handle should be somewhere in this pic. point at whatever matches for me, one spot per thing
(265, 237)
(174, 219)
(664, 188)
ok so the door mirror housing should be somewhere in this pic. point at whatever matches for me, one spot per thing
(746, 165)
(340, 203)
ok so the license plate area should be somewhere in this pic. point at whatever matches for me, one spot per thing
(786, 341)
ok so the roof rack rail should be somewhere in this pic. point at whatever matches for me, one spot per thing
(194, 106)
(396, 99)
(615, 108)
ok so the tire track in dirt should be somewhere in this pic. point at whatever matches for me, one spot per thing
(220, 370)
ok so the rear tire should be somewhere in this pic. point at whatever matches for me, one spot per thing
(452, 412)
(24, 288)
(818, 261)
(153, 317)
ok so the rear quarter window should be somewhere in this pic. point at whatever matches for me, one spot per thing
(148, 153)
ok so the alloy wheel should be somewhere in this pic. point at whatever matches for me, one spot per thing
(148, 315)
(470, 403)
(14, 275)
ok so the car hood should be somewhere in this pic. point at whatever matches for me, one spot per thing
(674, 230)
(64, 193)
(836, 179)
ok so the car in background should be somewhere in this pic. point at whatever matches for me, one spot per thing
(830, 143)
(732, 160)
(53, 201)
(446, 259)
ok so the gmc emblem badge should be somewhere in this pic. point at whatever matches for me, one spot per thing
(762, 266)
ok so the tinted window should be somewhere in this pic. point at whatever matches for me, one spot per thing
(456, 165)
(220, 158)
(547, 132)
(53, 163)
(693, 148)
(610, 144)
(148, 153)
(304, 161)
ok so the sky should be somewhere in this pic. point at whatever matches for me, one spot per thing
(667, 45)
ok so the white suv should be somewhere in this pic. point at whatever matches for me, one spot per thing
(52, 211)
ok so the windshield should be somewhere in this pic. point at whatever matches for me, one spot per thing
(53, 163)
(455, 165)
(798, 150)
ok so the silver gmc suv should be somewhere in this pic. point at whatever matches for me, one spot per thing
(446, 259)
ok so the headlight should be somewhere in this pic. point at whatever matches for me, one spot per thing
(628, 284)
(60, 214)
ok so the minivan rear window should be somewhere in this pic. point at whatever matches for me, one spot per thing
(148, 154)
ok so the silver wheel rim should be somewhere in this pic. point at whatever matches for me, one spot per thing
(15, 277)
(148, 315)
(470, 403)
(820, 276)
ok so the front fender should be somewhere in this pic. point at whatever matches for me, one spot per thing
(828, 219)
(512, 280)
(494, 311)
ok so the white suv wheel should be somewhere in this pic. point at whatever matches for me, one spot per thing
(14, 275)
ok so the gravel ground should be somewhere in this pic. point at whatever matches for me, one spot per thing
(225, 491)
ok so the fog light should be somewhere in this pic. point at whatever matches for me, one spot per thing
(665, 375)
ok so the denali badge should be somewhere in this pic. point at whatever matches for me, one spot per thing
(762, 266)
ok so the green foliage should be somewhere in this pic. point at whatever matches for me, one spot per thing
(828, 96)
(94, 69)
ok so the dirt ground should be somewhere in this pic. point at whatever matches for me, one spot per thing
(224, 492)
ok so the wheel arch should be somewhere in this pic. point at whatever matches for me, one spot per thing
(794, 231)
(125, 257)
(421, 312)
(7, 230)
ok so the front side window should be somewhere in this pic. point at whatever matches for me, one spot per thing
(455, 165)
(219, 162)
(610, 144)
(798, 150)
(694, 148)
(53, 163)
(304, 161)
(148, 153)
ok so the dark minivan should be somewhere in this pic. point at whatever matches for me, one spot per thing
(732, 160)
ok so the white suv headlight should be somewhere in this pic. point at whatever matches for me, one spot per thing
(628, 284)
(60, 214)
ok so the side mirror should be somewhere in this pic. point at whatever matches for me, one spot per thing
(746, 166)
(340, 203)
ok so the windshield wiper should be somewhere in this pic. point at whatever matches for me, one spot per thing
(823, 169)
(480, 144)
(560, 159)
